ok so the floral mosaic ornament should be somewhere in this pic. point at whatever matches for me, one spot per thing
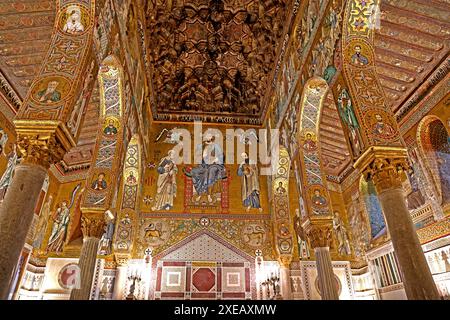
(378, 124)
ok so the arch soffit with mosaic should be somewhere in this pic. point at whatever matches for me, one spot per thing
(53, 92)
(106, 162)
(282, 220)
(424, 142)
(129, 204)
(311, 166)
(378, 123)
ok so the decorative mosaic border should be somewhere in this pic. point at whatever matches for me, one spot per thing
(225, 216)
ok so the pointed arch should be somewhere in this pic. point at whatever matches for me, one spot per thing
(378, 123)
(313, 176)
(283, 226)
(131, 174)
(106, 160)
(434, 149)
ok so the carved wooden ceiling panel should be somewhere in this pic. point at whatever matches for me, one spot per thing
(25, 32)
(412, 41)
(335, 153)
(212, 58)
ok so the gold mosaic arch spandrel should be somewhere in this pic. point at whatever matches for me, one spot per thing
(108, 148)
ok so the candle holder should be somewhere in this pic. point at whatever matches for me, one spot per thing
(272, 281)
(135, 279)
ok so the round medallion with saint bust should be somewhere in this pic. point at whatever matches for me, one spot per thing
(50, 91)
(318, 195)
(358, 53)
(74, 20)
(111, 126)
(381, 125)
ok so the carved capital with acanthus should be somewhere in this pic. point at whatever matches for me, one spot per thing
(121, 259)
(319, 232)
(92, 226)
(40, 149)
(385, 166)
(41, 143)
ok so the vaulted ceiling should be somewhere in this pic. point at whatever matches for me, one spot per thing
(25, 33)
(213, 57)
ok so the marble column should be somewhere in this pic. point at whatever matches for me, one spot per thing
(387, 176)
(120, 281)
(92, 231)
(285, 280)
(16, 215)
(319, 233)
(327, 281)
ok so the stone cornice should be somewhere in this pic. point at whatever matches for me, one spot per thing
(62, 177)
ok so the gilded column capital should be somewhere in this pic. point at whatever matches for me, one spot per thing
(320, 233)
(121, 259)
(42, 143)
(92, 227)
(40, 149)
(385, 166)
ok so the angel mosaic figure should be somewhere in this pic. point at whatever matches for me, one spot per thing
(59, 229)
(60, 224)
(341, 234)
(42, 223)
(107, 237)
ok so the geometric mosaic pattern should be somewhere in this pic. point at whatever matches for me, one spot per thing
(202, 280)
(203, 266)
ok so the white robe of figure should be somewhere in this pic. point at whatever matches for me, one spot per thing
(73, 27)
(3, 141)
(6, 179)
(250, 185)
(59, 230)
(166, 185)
